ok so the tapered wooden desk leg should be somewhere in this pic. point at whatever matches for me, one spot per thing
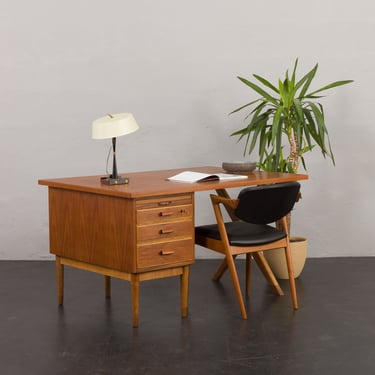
(135, 298)
(107, 283)
(59, 280)
(184, 290)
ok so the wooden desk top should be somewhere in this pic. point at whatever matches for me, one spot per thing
(155, 183)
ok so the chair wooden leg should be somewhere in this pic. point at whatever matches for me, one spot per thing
(263, 266)
(248, 273)
(288, 257)
(60, 280)
(220, 270)
(267, 272)
(236, 284)
(184, 291)
(107, 286)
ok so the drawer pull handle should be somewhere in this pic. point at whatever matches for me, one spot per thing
(165, 203)
(166, 252)
(165, 231)
(164, 214)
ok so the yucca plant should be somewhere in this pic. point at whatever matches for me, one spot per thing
(286, 121)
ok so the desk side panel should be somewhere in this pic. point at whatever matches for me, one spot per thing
(93, 228)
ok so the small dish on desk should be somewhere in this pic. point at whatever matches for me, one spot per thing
(239, 166)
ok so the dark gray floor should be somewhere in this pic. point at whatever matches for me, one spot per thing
(332, 333)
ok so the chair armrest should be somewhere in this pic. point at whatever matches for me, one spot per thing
(228, 202)
(230, 211)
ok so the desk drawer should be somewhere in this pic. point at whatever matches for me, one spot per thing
(165, 254)
(164, 214)
(164, 201)
(165, 231)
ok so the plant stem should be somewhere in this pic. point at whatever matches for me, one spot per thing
(294, 151)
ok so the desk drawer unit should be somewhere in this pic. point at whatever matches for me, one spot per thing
(165, 230)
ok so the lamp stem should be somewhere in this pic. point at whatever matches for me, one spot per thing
(114, 170)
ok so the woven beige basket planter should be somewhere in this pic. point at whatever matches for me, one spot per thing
(276, 258)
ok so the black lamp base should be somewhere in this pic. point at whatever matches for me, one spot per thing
(114, 181)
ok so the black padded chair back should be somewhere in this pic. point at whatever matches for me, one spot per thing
(265, 204)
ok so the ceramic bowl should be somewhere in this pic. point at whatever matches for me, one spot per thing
(239, 166)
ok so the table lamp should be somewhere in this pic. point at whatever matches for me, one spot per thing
(112, 126)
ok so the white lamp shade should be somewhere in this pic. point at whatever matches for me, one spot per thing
(112, 126)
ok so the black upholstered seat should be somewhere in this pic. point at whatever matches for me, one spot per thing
(243, 234)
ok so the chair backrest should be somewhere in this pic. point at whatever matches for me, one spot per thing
(265, 204)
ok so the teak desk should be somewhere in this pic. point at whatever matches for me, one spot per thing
(140, 231)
